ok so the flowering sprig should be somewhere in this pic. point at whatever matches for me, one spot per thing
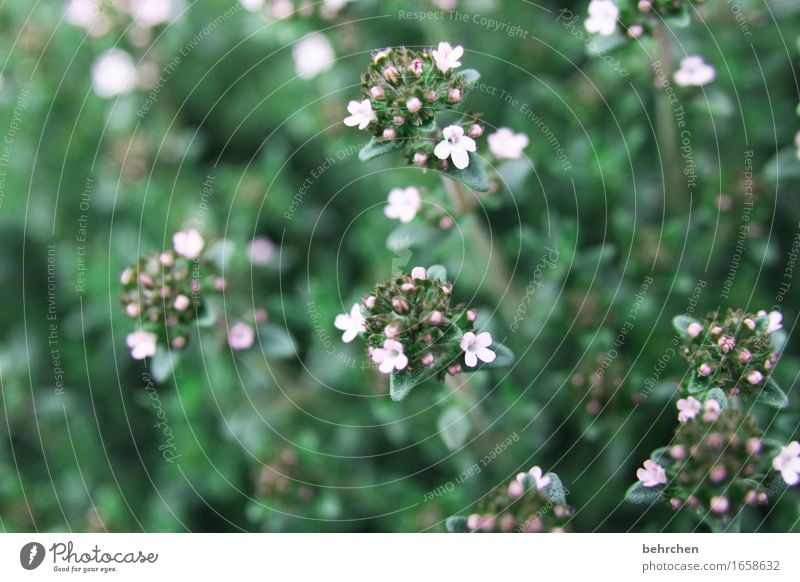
(403, 92)
(532, 502)
(736, 353)
(636, 18)
(717, 464)
(415, 331)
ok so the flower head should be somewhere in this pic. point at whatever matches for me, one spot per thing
(476, 347)
(456, 146)
(361, 114)
(689, 408)
(188, 243)
(142, 344)
(602, 18)
(404, 203)
(446, 57)
(241, 336)
(788, 463)
(694, 72)
(652, 474)
(505, 144)
(351, 323)
(390, 357)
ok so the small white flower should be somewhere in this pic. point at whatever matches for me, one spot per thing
(694, 72)
(188, 243)
(446, 56)
(603, 16)
(361, 114)
(652, 474)
(775, 319)
(241, 336)
(261, 250)
(87, 15)
(142, 344)
(505, 144)
(149, 13)
(351, 324)
(788, 463)
(689, 408)
(390, 356)
(456, 146)
(404, 203)
(312, 55)
(476, 347)
(113, 73)
(542, 480)
(419, 273)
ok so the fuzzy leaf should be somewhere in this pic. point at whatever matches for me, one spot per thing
(661, 456)
(772, 395)
(718, 395)
(777, 340)
(401, 383)
(376, 148)
(276, 341)
(641, 495)
(473, 176)
(437, 273)
(412, 235)
(469, 76)
(555, 491)
(454, 427)
(681, 322)
(162, 363)
(457, 524)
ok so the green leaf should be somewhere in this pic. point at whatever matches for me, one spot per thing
(473, 176)
(641, 495)
(454, 427)
(469, 76)
(680, 20)
(681, 322)
(694, 386)
(401, 383)
(661, 456)
(514, 172)
(162, 364)
(554, 491)
(437, 273)
(772, 395)
(504, 358)
(276, 341)
(413, 235)
(777, 340)
(376, 148)
(457, 524)
(206, 315)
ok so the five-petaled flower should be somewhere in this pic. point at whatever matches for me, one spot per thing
(602, 18)
(142, 344)
(652, 474)
(788, 463)
(505, 144)
(390, 357)
(688, 407)
(694, 72)
(361, 114)
(476, 347)
(404, 203)
(456, 146)
(351, 324)
(446, 56)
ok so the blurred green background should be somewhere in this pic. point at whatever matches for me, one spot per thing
(296, 434)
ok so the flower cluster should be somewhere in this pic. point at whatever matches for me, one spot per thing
(531, 503)
(735, 353)
(635, 17)
(412, 324)
(403, 90)
(716, 463)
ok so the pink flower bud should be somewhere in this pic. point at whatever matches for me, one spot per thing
(755, 377)
(126, 276)
(398, 120)
(377, 93)
(428, 360)
(419, 273)
(413, 105)
(473, 521)
(753, 445)
(166, 259)
(515, 489)
(447, 289)
(416, 67)
(744, 355)
(400, 305)
(716, 330)
(472, 315)
(454, 369)
(389, 133)
(705, 370)
(435, 318)
(635, 31)
(369, 302)
(718, 474)
(391, 331)
(719, 504)
(146, 280)
(407, 287)
(181, 302)
(133, 309)
(391, 73)
(677, 452)
(454, 96)
(178, 342)
(220, 284)
(432, 96)
(726, 343)
(645, 5)
(420, 158)
(675, 503)
(475, 130)
(445, 223)
(694, 329)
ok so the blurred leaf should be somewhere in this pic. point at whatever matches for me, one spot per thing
(473, 176)
(413, 235)
(772, 395)
(437, 273)
(454, 427)
(457, 524)
(555, 491)
(163, 362)
(469, 76)
(276, 341)
(376, 148)
(641, 495)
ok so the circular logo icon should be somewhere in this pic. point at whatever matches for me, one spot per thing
(31, 555)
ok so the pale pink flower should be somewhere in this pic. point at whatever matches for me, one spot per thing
(775, 319)
(505, 144)
(188, 243)
(446, 56)
(602, 18)
(476, 347)
(181, 302)
(745, 355)
(351, 323)
(711, 410)
(361, 114)
(694, 329)
(87, 15)
(312, 54)
(241, 336)
(750, 323)
(705, 370)
(694, 72)
(404, 203)
(390, 357)
(456, 146)
(261, 250)
(787, 462)
(419, 273)
(515, 489)
(719, 504)
(113, 73)
(689, 408)
(369, 302)
(142, 344)
(539, 477)
(133, 309)
(652, 474)
(413, 105)
(755, 377)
